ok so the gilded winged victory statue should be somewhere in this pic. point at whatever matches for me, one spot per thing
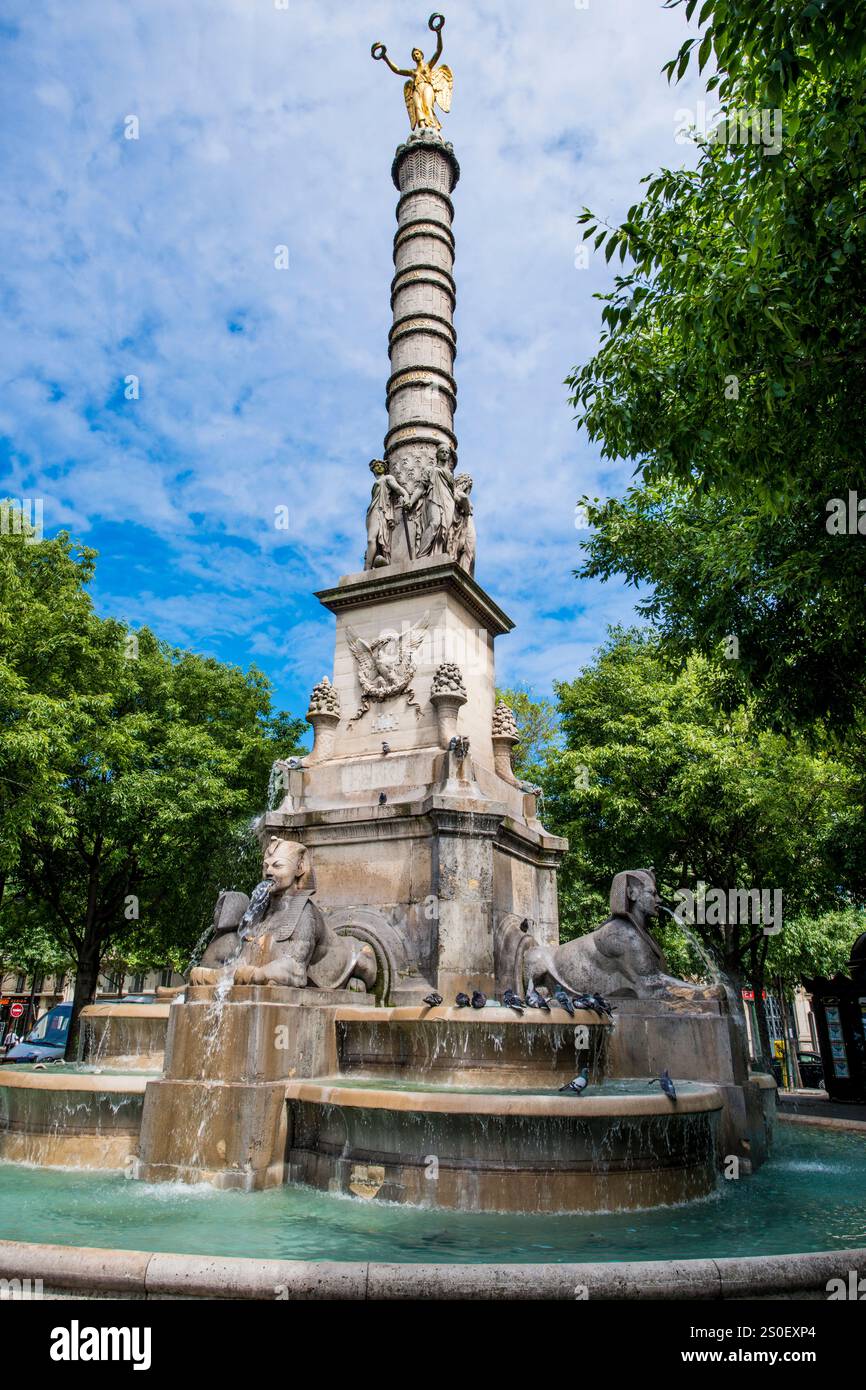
(430, 84)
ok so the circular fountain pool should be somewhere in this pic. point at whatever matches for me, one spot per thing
(810, 1196)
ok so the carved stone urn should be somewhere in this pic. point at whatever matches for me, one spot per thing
(324, 715)
(505, 737)
(447, 694)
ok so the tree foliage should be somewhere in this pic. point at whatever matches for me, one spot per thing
(732, 363)
(654, 773)
(131, 770)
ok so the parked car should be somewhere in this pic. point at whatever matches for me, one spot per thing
(811, 1071)
(46, 1042)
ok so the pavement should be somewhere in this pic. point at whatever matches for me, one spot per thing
(816, 1108)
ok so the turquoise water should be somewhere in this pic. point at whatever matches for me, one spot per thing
(629, 1086)
(811, 1196)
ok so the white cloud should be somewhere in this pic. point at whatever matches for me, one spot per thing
(260, 127)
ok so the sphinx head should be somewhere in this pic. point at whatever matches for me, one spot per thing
(633, 893)
(285, 862)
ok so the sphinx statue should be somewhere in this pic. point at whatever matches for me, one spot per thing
(620, 958)
(224, 943)
(282, 937)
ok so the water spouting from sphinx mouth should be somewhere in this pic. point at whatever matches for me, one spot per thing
(716, 974)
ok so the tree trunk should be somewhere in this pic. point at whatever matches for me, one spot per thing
(764, 1047)
(86, 980)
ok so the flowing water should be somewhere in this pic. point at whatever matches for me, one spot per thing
(810, 1196)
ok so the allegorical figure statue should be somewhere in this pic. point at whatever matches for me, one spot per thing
(437, 504)
(429, 83)
(381, 515)
(283, 938)
(462, 540)
(620, 957)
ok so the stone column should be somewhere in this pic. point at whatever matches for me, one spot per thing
(422, 392)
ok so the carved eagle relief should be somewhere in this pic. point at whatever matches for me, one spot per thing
(387, 665)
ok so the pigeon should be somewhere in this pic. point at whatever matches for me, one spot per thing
(578, 1085)
(562, 999)
(383, 797)
(462, 1001)
(666, 1084)
(536, 1000)
(386, 747)
(434, 999)
(478, 999)
(599, 1005)
(513, 1001)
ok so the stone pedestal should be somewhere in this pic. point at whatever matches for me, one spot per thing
(218, 1113)
(694, 1040)
(324, 730)
(447, 709)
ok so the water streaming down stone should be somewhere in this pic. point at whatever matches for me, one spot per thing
(131, 1036)
(70, 1117)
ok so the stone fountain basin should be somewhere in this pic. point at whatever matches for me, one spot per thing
(487, 1150)
(610, 1102)
(130, 1035)
(70, 1116)
(490, 1046)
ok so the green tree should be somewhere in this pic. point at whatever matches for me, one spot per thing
(654, 773)
(148, 762)
(732, 365)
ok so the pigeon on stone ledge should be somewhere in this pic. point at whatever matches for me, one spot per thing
(564, 1001)
(513, 1001)
(578, 1085)
(666, 1084)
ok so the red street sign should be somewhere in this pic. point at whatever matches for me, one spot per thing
(16, 1010)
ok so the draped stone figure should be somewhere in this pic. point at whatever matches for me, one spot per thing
(462, 540)
(381, 515)
(437, 504)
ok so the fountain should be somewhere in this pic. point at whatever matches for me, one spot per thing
(320, 1040)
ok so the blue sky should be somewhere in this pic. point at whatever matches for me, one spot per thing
(262, 388)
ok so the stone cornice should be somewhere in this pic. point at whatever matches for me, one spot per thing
(423, 576)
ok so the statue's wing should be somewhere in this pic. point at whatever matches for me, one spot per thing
(362, 654)
(409, 94)
(410, 642)
(442, 79)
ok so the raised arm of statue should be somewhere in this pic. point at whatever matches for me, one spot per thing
(379, 50)
(437, 30)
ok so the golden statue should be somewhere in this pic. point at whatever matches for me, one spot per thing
(428, 84)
